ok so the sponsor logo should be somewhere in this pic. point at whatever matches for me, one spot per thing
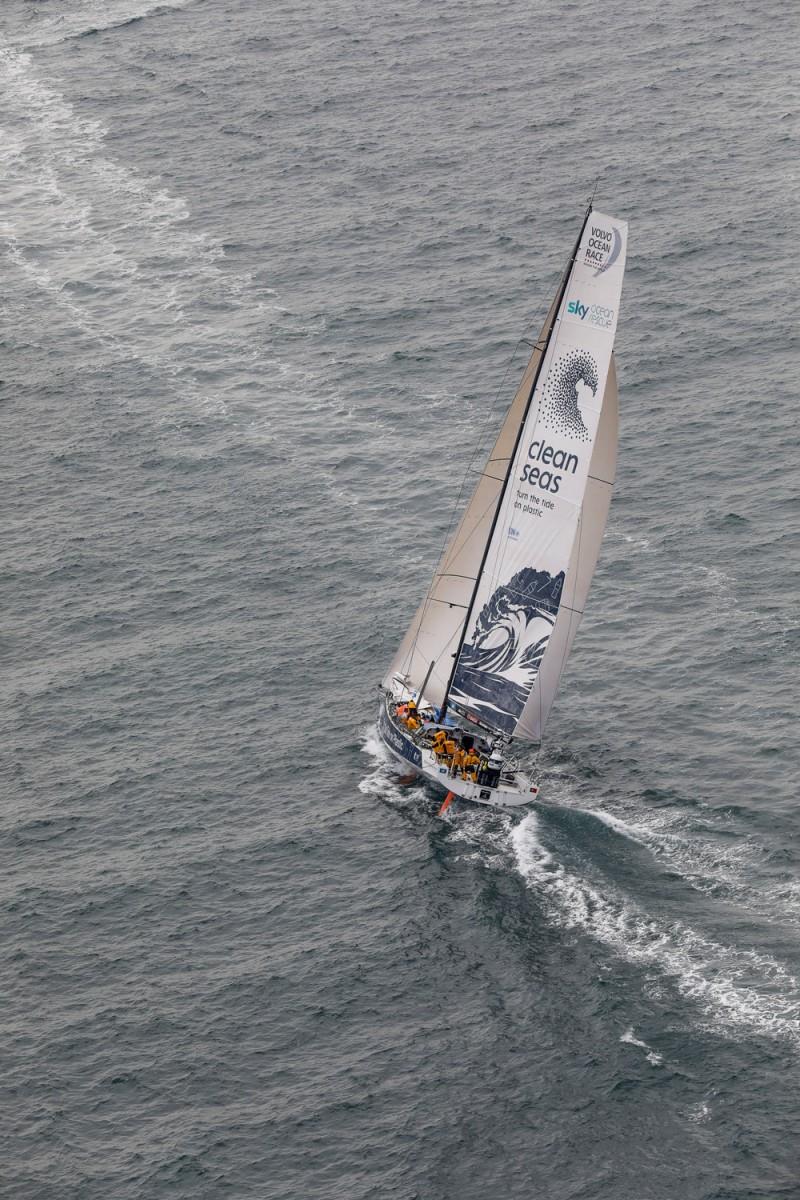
(603, 248)
(575, 308)
(513, 533)
(593, 314)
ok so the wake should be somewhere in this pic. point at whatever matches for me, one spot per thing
(116, 259)
(735, 990)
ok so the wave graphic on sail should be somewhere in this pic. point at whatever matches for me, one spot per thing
(498, 665)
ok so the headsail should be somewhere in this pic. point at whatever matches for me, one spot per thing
(503, 607)
(435, 632)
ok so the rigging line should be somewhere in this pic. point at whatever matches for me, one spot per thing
(423, 609)
(485, 474)
(500, 550)
(489, 415)
(494, 572)
(430, 598)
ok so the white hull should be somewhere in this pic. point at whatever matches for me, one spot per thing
(423, 762)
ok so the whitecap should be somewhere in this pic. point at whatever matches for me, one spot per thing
(653, 1057)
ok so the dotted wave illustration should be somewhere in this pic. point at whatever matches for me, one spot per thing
(561, 393)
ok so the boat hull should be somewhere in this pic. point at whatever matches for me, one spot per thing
(422, 760)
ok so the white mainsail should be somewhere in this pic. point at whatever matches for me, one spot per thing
(505, 602)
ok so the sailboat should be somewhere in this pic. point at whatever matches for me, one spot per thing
(480, 665)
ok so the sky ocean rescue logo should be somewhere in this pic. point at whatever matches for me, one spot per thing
(593, 314)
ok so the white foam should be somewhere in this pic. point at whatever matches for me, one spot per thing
(735, 989)
(652, 1056)
(696, 845)
(632, 832)
(484, 832)
(115, 252)
(614, 531)
(642, 543)
(382, 780)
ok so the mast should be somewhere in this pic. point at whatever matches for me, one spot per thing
(560, 297)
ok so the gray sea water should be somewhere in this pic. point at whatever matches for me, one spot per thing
(265, 267)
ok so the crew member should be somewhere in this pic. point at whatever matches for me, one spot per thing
(470, 765)
(458, 760)
(439, 739)
(449, 750)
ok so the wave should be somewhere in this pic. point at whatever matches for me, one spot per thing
(88, 18)
(633, 833)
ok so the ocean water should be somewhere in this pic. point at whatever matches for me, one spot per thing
(265, 272)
